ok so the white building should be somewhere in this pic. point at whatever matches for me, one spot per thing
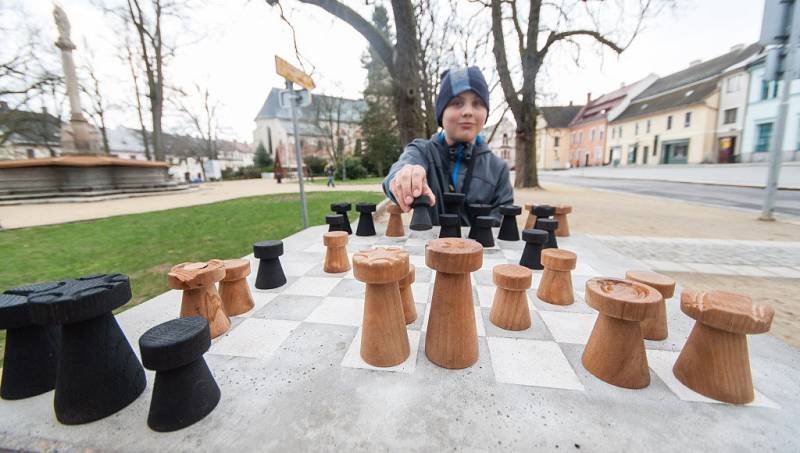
(503, 142)
(733, 88)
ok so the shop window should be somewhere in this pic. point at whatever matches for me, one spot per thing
(763, 135)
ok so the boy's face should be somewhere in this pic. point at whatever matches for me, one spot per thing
(464, 117)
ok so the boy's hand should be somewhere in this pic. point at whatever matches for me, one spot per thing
(409, 183)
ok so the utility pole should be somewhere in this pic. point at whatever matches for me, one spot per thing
(781, 58)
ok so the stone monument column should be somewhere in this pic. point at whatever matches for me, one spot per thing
(78, 124)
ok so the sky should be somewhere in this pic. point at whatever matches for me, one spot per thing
(229, 46)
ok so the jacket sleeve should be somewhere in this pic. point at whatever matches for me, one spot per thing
(412, 155)
(503, 192)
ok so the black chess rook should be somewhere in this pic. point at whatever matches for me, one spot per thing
(508, 227)
(450, 226)
(532, 253)
(549, 225)
(342, 208)
(421, 217)
(366, 224)
(335, 222)
(270, 273)
(481, 230)
(475, 211)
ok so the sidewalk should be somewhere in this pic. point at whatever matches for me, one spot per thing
(742, 175)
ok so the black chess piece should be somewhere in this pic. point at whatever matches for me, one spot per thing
(98, 372)
(453, 202)
(366, 225)
(184, 390)
(476, 210)
(508, 227)
(532, 253)
(450, 226)
(270, 273)
(549, 225)
(335, 222)
(482, 230)
(342, 208)
(421, 217)
(30, 358)
(544, 211)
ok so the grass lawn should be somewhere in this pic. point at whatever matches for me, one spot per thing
(322, 180)
(145, 246)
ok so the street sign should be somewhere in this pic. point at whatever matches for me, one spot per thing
(301, 98)
(289, 72)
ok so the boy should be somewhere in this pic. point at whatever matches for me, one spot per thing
(455, 159)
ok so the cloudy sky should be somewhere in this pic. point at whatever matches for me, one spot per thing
(229, 46)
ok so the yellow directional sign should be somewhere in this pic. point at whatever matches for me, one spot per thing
(289, 72)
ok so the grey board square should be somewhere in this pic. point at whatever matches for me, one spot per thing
(353, 289)
(537, 331)
(289, 307)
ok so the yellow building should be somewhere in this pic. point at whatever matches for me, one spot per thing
(552, 136)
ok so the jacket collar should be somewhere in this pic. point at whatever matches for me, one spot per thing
(468, 149)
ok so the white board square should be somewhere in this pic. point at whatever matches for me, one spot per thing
(342, 311)
(259, 300)
(531, 362)
(254, 337)
(312, 286)
(568, 327)
(352, 358)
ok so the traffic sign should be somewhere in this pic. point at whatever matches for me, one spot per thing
(291, 73)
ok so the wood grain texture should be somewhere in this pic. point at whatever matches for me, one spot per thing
(407, 296)
(395, 226)
(556, 285)
(336, 260)
(200, 295)
(655, 328)
(561, 216)
(234, 290)
(530, 221)
(510, 304)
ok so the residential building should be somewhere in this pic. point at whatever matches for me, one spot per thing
(502, 140)
(674, 120)
(553, 136)
(317, 124)
(762, 110)
(733, 89)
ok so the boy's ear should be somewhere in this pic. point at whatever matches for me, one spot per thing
(444, 74)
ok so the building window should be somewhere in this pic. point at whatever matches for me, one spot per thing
(580, 137)
(768, 89)
(687, 119)
(602, 133)
(505, 139)
(648, 126)
(619, 132)
(613, 132)
(591, 139)
(555, 141)
(636, 129)
(31, 153)
(733, 84)
(669, 122)
(730, 116)
(645, 151)
(764, 133)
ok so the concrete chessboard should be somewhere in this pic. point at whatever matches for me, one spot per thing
(292, 378)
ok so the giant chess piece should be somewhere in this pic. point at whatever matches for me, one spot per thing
(200, 295)
(233, 288)
(510, 303)
(336, 260)
(407, 296)
(714, 361)
(481, 230)
(270, 273)
(184, 390)
(475, 211)
(655, 328)
(366, 224)
(421, 218)
(342, 208)
(530, 221)
(335, 222)
(395, 226)
(452, 337)
(508, 227)
(543, 211)
(98, 372)
(30, 357)
(615, 350)
(532, 253)
(556, 284)
(384, 339)
(450, 226)
(453, 203)
(561, 212)
(550, 226)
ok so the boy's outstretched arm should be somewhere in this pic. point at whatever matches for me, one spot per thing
(408, 179)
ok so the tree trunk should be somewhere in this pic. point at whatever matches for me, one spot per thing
(407, 81)
(156, 111)
(525, 161)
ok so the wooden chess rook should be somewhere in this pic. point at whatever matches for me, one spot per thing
(395, 226)
(200, 295)
(452, 339)
(233, 288)
(556, 285)
(384, 339)
(406, 295)
(510, 304)
(655, 328)
(561, 211)
(336, 260)
(615, 351)
(715, 361)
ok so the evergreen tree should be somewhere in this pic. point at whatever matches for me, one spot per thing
(261, 158)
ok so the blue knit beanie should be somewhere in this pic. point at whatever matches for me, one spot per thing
(456, 81)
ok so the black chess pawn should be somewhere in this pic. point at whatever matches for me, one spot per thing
(270, 273)
(184, 390)
(476, 210)
(453, 202)
(549, 225)
(421, 217)
(335, 222)
(544, 211)
(30, 358)
(481, 230)
(342, 208)
(532, 253)
(98, 372)
(450, 226)
(508, 227)
(366, 225)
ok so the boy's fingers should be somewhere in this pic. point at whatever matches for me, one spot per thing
(417, 181)
(398, 193)
(430, 195)
(404, 184)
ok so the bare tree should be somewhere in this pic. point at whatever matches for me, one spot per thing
(97, 110)
(131, 60)
(569, 21)
(202, 119)
(328, 117)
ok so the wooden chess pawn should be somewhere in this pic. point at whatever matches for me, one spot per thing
(395, 226)
(530, 221)
(655, 328)
(615, 350)
(184, 390)
(200, 295)
(556, 285)
(561, 211)
(409, 307)
(384, 339)
(510, 304)
(714, 361)
(336, 260)
(234, 290)
(452, 339)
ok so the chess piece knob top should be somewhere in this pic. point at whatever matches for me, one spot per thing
(546, 224)
(334, 219)
(265, 250)
(335, 238)
(622, 299)
(510, 209)
(366, 207)
(665, 285)
(341, 207)
(195, 275)
(730, 312)
(392, 208)
(512, 276)
(236, 269)
(454, 255)
(80, 299)
(559, 259)
(449, 220)
(544, 210)
(484, 221)
(534, 236)
(175, 343)
(380, 265)
(478, 209)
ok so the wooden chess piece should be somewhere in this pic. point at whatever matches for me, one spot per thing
(342, 208)
(395, 226)
(98, 372)
(409, 307)
(510, 304)
(336, 260)
(530, 221)
(549, 225)
(556, 285)
(30, 357)
(366, 224)
(615, 350)
(561, 211)
(421, 217)
(715, 361)
(384, 339)
(452, 338)
(234, 290)
(655, 328)
(200, 295)
(450, 226)
(508, 227)
(184, 390)
(532, 253)
(270, 272)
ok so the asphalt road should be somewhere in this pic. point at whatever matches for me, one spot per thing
(788, 201)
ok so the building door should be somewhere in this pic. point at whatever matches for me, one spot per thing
(676, 152)
(726, 147)
(632, 150)
(586, 160)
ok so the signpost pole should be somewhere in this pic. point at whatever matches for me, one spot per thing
(298, 157)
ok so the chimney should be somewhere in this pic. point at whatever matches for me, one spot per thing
(588, 98)
(739, 46)
(694, 62)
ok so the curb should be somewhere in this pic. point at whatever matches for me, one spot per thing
(705, 183)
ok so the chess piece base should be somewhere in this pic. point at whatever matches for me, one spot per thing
(556, 288)
(270, 274)
(615, 353)
(236, 297)
(205, 302)
(182, 396)
(384, 339)
(510, 310)
(452, 337)
(30, 361)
